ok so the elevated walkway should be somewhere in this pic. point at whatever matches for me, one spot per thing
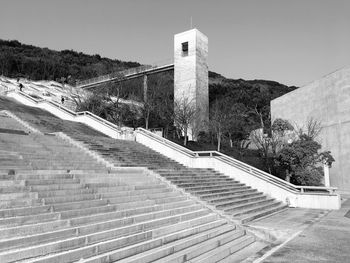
(124, 75)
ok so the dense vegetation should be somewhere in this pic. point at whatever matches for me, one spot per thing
(20, 60)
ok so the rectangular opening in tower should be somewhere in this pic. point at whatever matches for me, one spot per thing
(185, 49)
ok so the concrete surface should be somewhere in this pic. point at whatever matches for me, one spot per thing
(326, 100)
(301, 235)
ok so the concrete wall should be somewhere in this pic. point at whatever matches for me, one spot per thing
(326, 100)
(191, 73)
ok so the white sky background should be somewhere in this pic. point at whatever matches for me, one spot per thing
(292, 42)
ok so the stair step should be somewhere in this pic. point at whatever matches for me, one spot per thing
(187, 254)
(228, 192)
(94, 233)
(244, 218)
(86, 244)
(248, 203)
(225, 250)
(222, 202)
(161, 246)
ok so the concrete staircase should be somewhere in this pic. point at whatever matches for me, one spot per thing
(235, 199)
(60, 205)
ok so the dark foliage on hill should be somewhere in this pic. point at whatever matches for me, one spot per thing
(21, 60)
(255, 95)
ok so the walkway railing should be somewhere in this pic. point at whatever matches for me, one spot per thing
(240, 165)
(122, 74)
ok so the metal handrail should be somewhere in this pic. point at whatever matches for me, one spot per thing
(243, 166)
(166, 141)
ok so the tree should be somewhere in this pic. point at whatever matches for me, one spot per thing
(157, 100)
(312, 128)
(302, 161)
(239, 125)
(218, 120)
(270, 140)
(279, 134)
(185, 113)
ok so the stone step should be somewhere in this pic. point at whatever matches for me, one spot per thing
(19, 202)
(18, 195)
(146, 204)
(88, 241)
(195, 178)
(212, 186)
(56, 187)
(70, 198)
(257, 212)
(158, 246)
(248, 203)
(218, 190)
(60, 171)
(186, 249)
(47, 215)
(190, 174)
(223, 203)
(202, 180)
(35, 182)
(11, 183)
(76, 205)
(225, 250)
(111, 194)
(231, 196)
(23, 211)
(97, 230)
(128, 196)
(35, 176)
(28, 219)
(186, 185)
(221, 192)
(158, 197)
(55, 225)
(262, 213)
(67, 192)
(107, 189)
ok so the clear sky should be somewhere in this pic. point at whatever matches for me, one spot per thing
(290, 41)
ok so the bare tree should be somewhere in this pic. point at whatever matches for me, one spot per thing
(312, 128)
(219, 120)
(153, 99)
(185, 113)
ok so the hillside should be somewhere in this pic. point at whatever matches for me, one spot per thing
(21, 60)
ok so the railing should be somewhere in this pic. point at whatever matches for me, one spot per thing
(171, 144)
(122, 74)
(240, 165)
(72, 113)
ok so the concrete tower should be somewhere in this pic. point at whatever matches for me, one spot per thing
(191, 76)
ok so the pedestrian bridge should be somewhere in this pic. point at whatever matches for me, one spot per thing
(126, 75)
